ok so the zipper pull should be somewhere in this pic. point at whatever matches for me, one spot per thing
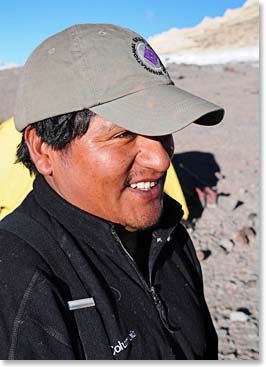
(161, 311)
(156, 299)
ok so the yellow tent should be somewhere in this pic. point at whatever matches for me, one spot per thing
(173, 188)
(16, 182)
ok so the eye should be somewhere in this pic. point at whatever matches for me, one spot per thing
(124, 134)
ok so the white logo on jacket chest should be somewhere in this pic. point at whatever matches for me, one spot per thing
(120, 346)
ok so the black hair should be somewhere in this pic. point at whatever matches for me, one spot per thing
(57, 132)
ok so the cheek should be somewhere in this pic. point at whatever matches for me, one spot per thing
(102, 170)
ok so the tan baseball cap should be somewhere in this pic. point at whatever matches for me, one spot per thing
(112, 71)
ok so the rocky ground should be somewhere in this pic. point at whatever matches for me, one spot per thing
(225, 231)
(8, 85)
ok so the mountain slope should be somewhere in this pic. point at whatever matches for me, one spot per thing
(237, 28)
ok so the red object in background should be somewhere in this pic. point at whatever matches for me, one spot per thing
(207, 196)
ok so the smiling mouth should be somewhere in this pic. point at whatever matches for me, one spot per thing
(144, 186)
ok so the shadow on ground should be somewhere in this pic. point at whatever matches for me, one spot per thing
(198, 173)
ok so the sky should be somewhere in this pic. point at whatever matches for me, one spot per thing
(25, 24)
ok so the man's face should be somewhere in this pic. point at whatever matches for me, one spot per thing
(114, 174)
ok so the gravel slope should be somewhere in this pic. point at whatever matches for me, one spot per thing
(227, 232)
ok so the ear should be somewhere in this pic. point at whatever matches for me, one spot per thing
(40, 152)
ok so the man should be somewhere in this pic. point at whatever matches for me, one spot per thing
(94, 263)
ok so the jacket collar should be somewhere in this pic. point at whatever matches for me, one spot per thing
(84, 224)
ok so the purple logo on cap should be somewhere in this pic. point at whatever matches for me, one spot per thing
(146, 57)
(150, 55)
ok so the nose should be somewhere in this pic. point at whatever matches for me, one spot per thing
(155, 152)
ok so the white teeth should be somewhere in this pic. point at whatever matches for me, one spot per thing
(143, 185)
(147, 185)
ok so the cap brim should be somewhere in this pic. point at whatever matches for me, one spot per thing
(161, 110)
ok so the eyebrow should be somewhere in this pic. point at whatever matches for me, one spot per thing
(111, 128)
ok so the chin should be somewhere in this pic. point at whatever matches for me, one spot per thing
(143, 222)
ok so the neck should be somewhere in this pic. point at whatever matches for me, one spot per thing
(129, 239)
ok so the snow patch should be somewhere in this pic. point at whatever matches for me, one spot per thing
(214, 57)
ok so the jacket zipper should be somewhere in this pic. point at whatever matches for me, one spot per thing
(150, 291)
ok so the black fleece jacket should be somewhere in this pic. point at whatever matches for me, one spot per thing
(52, 252)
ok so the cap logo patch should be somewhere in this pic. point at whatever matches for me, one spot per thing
(149, 55)
(146, 57)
